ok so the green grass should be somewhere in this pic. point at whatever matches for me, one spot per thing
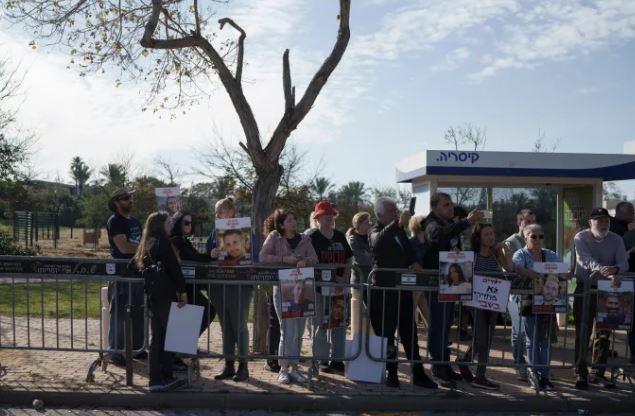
(42, 299)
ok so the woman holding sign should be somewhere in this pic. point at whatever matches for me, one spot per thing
(489, 256)
(161, 271)
(536, 326)
(285, 245)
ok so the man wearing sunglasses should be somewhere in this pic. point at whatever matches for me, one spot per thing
(600, 254)
(124, 234)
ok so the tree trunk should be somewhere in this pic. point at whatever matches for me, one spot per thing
(263, 197)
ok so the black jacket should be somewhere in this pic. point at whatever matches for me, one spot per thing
(161, 251)
(619, 227)
(392, 249)
(187, 251)
(440, 236)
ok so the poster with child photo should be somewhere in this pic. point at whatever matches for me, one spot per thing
(234, 241)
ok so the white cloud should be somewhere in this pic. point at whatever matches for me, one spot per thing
(452, 60)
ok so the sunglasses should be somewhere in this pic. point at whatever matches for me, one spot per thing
(534, 236)
(124, 198)
(187, 222)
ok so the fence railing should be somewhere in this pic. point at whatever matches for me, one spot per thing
(59, 304)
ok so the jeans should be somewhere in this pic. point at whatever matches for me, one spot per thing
(320, 342)
(601, 340)
(159, 360)
(119, 295)
(273, 331)
(484, 327)
(232, 306)
(441, 315)
(518, 329)
(537, 328)
(291, 331)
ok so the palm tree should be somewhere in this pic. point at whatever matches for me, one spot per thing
(80, 172)
(114, 174)
(352, 195)
(321, 187)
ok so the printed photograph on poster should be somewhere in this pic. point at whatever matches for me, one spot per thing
(233, 237)
(168, 199)
(615, 305)
(456, 269)
(334, 312)
(550, 290)
(297, 289)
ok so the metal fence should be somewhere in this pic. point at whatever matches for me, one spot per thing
(59, 304)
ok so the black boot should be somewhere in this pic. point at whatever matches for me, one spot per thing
(392, 380)
(228, 371)
(243, 372)
(421, 379)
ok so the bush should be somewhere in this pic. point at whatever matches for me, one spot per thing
(8, 247)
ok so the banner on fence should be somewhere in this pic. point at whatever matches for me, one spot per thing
(490, 293)
(168, 199)
(297, 291)
(615, 305)
(456, 269)
(550, 290)
(233, 236)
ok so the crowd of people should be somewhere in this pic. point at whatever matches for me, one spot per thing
(601, 251)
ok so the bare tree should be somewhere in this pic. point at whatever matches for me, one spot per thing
(466, 135)
(124, 33)
(543, 145)
(168, 170)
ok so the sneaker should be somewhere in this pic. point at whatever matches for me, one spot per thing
(484, 383)
(454, 375)
(602, 380)
(445, 380)
(166, 385)
(296, 377)
(546, 384)
(272, 366)
(117, 360)
(466, 373)
(582, 383)
(283, 377)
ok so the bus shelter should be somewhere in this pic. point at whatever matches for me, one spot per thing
(561, 188)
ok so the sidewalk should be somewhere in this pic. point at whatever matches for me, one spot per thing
(58, 378)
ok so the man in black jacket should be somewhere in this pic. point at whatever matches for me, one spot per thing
(442, 234)
(390, 309)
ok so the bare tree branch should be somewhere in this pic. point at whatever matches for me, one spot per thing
(289, 93)
(197, 19)
(241, 45)
(290, 121)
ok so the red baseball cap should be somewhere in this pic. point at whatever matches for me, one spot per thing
(324, 208)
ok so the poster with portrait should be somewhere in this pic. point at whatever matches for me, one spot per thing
(233, 239)
(334, 312)
(168, 199)
(550, 290)
(456, 269)
(297, 290)
(615, 305)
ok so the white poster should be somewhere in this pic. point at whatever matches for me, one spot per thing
(168, 199)
(456, 269)
(183, 328)
(297, 289)
(550, 290)
(363, 368)
(490, 294)
(233, 238)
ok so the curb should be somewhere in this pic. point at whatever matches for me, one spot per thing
(443, 401)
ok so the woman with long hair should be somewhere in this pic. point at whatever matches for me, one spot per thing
(489, 256)
(156, 259)
(285, 245)
(182, 227)
(273, 330)
(357, 237)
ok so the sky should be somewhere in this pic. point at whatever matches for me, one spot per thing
(561, 68)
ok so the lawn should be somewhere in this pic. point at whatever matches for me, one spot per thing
(51, 299)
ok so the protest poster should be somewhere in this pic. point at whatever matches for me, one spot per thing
(183, 328)
(233, 238)
(490, 293)
(456, 269)
(615, 305)
(168, 199)
(297, 292)
(550, 290)
(334, 312)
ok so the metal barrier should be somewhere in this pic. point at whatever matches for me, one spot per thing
(39, 287)
(393, 284)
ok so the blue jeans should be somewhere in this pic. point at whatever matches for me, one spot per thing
(537, 329)
(441, 314)
(518, 329)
